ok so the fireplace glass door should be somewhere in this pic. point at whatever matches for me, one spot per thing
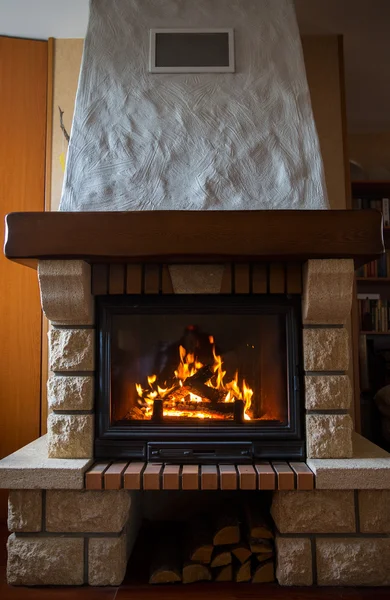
(197, 365)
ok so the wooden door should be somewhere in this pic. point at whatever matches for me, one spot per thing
(23, 90)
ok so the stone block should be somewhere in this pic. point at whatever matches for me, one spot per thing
(329, 436)
(196, 279)
(317, 511)
(25, 510)
(326, 349)
(368, 469)
(374, 511)
(30, 469)
(353, 561)
(66, 291)
(294, 561)
(327, 291)
(70, 392)
(70, 436)
(328, 392)
(45, 561)
(71, 349)
(107, 560)
(87, 511)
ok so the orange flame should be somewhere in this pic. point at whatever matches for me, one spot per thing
(188, 366)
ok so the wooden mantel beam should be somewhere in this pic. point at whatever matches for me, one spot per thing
(194, 236)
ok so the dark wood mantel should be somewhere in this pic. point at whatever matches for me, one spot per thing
(194, 236)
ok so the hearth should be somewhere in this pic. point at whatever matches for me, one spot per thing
(195, 377)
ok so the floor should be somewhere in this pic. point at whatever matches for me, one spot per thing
(227, 591)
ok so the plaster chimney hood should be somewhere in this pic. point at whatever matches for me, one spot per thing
(186, 105)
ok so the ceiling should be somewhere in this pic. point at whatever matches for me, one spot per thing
(364, 24)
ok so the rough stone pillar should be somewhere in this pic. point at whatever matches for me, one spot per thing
(68, 304)
(326, 306)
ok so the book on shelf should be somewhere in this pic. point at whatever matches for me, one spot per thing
(380, 204)
(374, 313)
(374, 365)
(376, 268)
(363, 364)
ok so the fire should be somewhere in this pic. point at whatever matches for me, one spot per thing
(197, 391)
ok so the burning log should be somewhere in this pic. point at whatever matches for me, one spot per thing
(221, 408)
(265, 573)
(197, 384)
(239, 411)
(157, 411)
(135, 414)
(195, 572)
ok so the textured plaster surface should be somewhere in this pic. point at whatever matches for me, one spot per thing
(201, 141)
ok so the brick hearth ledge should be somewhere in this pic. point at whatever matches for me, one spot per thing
(30, 469)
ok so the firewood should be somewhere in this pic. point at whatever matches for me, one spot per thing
(264, 557)
(135, 414)
(222, 408)
(265, 573)
(242, 552)
(220, 559)
(258, 546)
(243, 572)
(197, 384)
(166, 563)
(224, 573)
(199, 541)
(195, 572)
(258, 526)
(227, 529)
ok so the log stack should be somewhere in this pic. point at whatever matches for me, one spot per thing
(236, 545)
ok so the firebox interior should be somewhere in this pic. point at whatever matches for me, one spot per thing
(198, 368)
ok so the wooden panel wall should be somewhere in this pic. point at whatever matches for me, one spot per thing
(23, 76)
(67, 61)
(323, 60)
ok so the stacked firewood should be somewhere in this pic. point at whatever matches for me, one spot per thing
(230, 547)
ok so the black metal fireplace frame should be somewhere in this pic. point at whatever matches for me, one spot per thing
(219, 443)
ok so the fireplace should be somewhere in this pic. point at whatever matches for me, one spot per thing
(195, 377)
(256, 295)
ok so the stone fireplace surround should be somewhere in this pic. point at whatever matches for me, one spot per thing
(62, 534)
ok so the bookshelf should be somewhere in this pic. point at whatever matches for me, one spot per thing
(373, 304)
